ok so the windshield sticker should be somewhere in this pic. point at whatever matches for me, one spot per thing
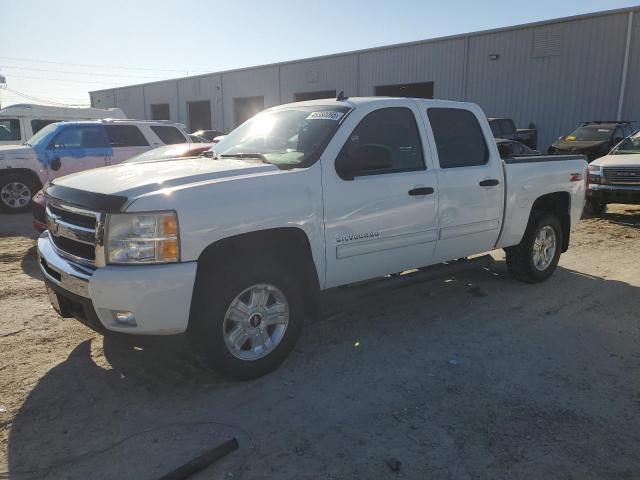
(604, 130)
(325, 115)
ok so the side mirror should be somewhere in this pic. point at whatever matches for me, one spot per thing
(560, 138)
(363, 159)
(55, 164)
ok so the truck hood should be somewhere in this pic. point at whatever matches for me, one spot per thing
(16, 152)
(135, 179)
(632, 159)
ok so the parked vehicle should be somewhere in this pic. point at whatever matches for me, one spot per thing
(18, 123)
(234, 249)
(69, 147)
(615, 178)
(512, 148)
(208, 135)
(168, 152)
(197, 139)
(506, 128)
(593, 139)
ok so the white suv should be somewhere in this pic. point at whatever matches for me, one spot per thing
(69, 147)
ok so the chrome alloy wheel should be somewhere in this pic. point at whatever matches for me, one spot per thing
(544, 248)
(15, 194)
(255, 322)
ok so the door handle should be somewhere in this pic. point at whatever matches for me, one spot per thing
(491, 182)
(421, 191)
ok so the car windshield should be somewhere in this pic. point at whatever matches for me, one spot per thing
(43, 136)
(288, 137)
(627, 146)
(590, 133)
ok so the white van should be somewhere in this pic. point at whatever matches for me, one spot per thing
(18, 123)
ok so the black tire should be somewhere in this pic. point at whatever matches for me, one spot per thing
(595, 208)
(520, 258)
(217, 288)
(27, 187)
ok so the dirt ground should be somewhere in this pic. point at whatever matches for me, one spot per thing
(466, 377)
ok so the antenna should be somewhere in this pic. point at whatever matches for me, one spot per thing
(341, 96)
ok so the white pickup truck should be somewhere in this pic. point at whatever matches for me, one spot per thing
(234, 249)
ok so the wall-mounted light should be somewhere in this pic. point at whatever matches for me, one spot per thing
(494, 56)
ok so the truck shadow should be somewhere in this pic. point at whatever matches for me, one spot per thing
(131, 409)
(624, 215)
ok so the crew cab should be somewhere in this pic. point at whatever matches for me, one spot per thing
(615, 178)
(67, 147)
(506, 128)
(234, 249)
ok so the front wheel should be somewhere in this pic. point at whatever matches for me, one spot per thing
(16, 191)
(536, 257)
(246, 321)
(595, 208)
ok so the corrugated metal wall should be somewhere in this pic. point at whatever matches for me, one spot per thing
(554, 74)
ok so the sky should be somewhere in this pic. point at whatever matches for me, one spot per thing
(58, 51)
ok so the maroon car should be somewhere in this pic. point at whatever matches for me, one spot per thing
(182, 150)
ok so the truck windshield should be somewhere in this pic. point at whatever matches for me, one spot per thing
(627, 146)
(590, 134)
(293, 136)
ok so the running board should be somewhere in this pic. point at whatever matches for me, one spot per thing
(334, 300)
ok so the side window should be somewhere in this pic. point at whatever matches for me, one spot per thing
(393, 129)
(80, 137)
(37, 125)
(617, 135)
(495, 128)
(125, 136)
(9, 129)
(507, 126)
(168, 135)
(459, 138)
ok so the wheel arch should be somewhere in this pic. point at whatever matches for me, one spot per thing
(559, 204)
(288, 244)
(23, 171)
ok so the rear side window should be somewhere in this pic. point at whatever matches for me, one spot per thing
(168, 135)
(125, 136)
(507, 126)
(395, 129)
(495, 128)
(458, 136)
(9, 129)
(37, 125)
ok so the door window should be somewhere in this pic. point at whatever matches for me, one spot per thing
(507, 126)
(394, 129)
(458, 136)
(80, 137)
(125, 136)
(168, 135)
(9, 129)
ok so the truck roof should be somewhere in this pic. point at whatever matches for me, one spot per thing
(354, 101)
(35, 110)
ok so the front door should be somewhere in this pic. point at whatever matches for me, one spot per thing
(470, 180)
(76, 148)
(381, 221)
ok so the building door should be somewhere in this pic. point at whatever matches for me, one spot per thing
(247, 107)
(412, 90)
(160, 111)
(199, 115)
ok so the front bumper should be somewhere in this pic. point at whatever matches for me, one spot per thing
(627, 194)
(157, 296)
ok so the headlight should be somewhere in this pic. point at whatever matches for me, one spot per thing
(143, 238)
(594, 168)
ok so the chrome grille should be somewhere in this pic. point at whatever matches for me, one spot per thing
(624, 175)
(74, 231)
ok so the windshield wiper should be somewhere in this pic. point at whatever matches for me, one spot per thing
(258, 156)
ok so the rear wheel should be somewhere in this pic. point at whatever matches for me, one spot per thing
(536, 257)
(247, 319)
(16, 191)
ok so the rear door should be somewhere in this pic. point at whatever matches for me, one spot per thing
(126, 141)
(382, 221)
(76, 148)
(470, 183)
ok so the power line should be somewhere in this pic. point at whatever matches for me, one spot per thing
(40, 100)
(107, 66)
(67, 80)
(81, 73)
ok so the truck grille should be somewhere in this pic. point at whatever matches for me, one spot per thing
(623, 175)
(73, 231)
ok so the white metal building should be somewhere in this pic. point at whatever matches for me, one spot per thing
(553, 74)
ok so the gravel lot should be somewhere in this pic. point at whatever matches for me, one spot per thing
(467, 377)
